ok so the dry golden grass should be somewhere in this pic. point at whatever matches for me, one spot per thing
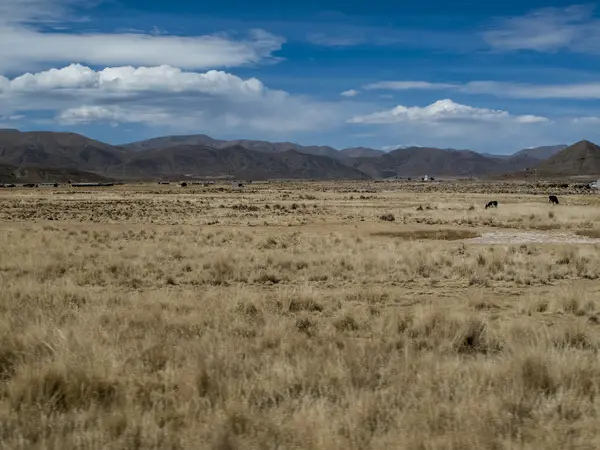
(290, 316)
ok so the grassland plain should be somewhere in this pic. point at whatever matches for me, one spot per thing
(291, 316)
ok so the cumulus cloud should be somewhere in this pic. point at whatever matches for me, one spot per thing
(443, 111)
(164, 96)
(23, 44)
(548, 30)
(350, 93)
(128, 79)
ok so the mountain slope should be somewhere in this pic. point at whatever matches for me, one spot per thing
(540, 153)
(207, 141)
(238, 162)
(419, 161)
(361, 152)
(50, 149)
(581, 158)
(171, 141)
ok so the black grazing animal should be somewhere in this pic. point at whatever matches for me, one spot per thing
(492, 204)
(553, 199)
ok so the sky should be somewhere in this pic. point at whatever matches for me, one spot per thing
(487, 76)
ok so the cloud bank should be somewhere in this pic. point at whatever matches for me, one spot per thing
(163, 95)
(548, 30)
(24, 44)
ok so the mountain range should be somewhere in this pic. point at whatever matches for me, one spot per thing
(54, 156)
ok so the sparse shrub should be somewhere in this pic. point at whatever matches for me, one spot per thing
(346, 323)
(387, 217)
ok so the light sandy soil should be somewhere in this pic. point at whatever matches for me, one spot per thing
(530, 237)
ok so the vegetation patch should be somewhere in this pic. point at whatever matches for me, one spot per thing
(438, 235)
(591, 233)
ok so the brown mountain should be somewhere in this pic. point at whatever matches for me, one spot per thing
(171, 141)
(361, 152)
(201, 155)
(49, 149)
(581, 158)
(419, 161)
(206, 141)
(236, 161)
(540, 153)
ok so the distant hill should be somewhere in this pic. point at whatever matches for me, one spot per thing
(451, 162)
(207, 141)
(419, 161)
(361, 152)
(581, 158)
(236, 162)
(540, 153)
(171, 141)
(203, 156)
(49, 149)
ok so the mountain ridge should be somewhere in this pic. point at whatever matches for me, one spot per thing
(200, 155)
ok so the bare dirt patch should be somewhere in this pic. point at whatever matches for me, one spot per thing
(439, 235)
(533, 237)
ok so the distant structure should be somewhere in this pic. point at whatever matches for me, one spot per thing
(595, 184)
(236, 185)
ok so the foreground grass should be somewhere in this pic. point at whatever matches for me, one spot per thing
(371, 335)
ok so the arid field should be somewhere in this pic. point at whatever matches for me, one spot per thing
(300, 315)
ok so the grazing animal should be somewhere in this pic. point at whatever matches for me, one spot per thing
(492, 204)
(553, 199)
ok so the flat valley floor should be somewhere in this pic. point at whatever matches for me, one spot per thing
(300, 316)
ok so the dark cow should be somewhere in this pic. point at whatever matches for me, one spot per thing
(553, 199)
(492, 204)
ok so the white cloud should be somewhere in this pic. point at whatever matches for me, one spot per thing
(115, 80)
(164, 96)
(590, 90)
(25, 46)
(388, 148)
(350, 93)
(442, 111)
(407, 85)
(548, 30)
(589, 120)
(524, 90)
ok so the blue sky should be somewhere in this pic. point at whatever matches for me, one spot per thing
(488, 76)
